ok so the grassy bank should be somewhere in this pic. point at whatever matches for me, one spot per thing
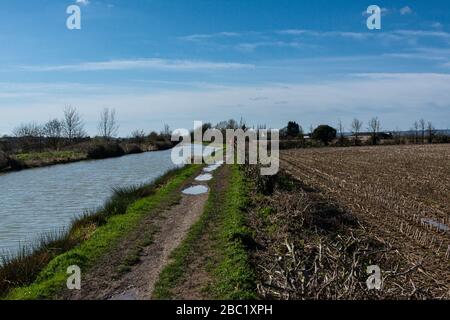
(51, 155)
(224, 220)
(41, 273)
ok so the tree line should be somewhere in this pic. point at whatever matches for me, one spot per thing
(70, 130)
(421, 132)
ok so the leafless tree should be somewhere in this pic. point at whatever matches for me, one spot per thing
(31, 134)
(28, 130)
(374, 128)
(108, 126)
(341, 130)
(52, 130)
(422, 125)
(138, 136)
(166, 131)
(431, 132)
(356, 129)
(73, 126)
(416, 132)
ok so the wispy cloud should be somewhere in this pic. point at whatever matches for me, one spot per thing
(406, 10)
(199, 37)
(159, 64)
(252, 46)
(384, 12)
(83, 2)
(361, 95)
(364, 35)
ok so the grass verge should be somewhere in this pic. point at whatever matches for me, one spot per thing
(41, 272)
(232, 273)
(50, 156)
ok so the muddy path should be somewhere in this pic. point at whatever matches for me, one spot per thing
(204, 252)
(131, 270)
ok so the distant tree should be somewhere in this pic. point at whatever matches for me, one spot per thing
(31, 135)
(166, 132)
(138, 136)
(73, 126)
(28, 130)
(341, 130)
(242, 124)
(431, 132)
(293, 129)
(416, 132)
(153, 136)
(324, 133)
(374, 128)
(397, 136)
(232, 124)
(422, 125)
(53, 132)
(356, 129)
(108, 127)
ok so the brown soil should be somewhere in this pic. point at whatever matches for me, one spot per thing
(391, 190)
(119, 277)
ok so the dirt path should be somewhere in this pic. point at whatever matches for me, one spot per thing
(131, 271)
(197, 276)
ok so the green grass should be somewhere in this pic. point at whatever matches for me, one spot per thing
(232, 273)
(50, 155)
(53, 277)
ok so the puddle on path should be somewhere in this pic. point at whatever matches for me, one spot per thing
(204, 177)
(211, 168)
(195, 190)
(440, 226)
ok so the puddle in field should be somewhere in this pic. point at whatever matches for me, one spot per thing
(204, 177)
(438, 225)
(196, 190)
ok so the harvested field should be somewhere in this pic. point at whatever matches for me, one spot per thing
(400, 196)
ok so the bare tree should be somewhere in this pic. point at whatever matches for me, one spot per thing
(31, 134)
(108, 126)
(416, 132)
(422, 125)
(138, 136)
(374, 128)
(166, 131)
(431, 132)
(73, 126)
(341, 130)
(356, 129)
(27, 130)
(52, 130)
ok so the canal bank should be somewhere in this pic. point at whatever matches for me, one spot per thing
(93, 236)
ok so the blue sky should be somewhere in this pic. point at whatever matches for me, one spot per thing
(160, 61)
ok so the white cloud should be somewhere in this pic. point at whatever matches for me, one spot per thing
(199, 37)
(406, 10)
(83, 2)
(250, 47)
(397, 98)
(384, 12)
(159, 64)
(395, 35)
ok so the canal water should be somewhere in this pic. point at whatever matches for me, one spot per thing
(36, 201)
